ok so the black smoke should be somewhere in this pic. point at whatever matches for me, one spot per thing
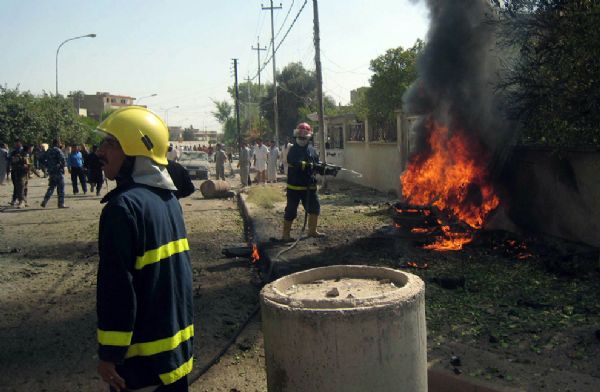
(457, 75)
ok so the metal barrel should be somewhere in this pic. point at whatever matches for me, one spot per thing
(214, 189)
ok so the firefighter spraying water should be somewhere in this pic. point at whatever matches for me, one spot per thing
(304, 165)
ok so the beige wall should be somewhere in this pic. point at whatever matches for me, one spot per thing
(379, 163)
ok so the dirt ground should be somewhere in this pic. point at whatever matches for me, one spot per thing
(516, 324)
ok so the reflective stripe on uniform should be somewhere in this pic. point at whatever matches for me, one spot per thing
(158, 346)
(301, 188)
(114, 338)
(171, 377)
(158, 254)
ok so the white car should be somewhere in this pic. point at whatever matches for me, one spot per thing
(196, 163)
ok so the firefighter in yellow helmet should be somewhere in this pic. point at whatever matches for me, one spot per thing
(144, 289)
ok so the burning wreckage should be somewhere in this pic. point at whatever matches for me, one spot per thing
(452, 185)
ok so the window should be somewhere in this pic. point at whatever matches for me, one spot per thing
(113, 100)
(356, 132)
(383, 131)
(123, 101)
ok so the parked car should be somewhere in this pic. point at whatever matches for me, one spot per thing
(196, 163)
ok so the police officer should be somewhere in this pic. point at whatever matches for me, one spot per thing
(303, 165)
(55, 165)
(144, 288)
(19, 174)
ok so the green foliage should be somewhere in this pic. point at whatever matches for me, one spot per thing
(552, 84)
(360, 105)
(296, 89)
(39, 119)
(230, 132)
(394, 72)
(90, 124)
(223, 111)
(296, 98)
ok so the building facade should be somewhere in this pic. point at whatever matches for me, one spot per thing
(102, 102)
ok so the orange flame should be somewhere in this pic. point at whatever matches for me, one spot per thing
(452, 177)
(420, 230)
(450, 240)
(255, 256)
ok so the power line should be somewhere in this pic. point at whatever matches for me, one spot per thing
(285, 19)
(268, 60)
(275, 110)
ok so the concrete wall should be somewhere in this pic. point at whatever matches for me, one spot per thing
(555, 195)
(380, 163)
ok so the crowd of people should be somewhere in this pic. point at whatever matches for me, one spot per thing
(268, 160)
(23, 161)
(144, 270)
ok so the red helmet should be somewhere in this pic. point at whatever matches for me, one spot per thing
(303, 130)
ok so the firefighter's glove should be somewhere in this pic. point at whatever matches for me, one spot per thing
(307, 166)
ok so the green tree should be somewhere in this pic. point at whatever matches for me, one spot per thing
(224, 115)
(552, 78)
(223, 110)
(39, 119)
(296, 89)
(230, 132)
(359, 104)
(393, 73)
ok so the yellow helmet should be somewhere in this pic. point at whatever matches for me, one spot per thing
(140, 132)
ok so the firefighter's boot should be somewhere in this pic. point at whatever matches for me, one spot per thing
(313, 219)
(287, 228)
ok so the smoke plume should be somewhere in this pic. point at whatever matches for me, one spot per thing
(458, 70)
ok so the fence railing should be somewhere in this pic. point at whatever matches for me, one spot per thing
(356, 132)
(385, 131)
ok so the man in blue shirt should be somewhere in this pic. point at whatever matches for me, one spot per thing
(77, 170)
(55, 164)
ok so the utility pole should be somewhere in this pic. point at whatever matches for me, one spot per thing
(275, 109)
(258, 49)
(248, 119)
(237, 103)
(319, 73)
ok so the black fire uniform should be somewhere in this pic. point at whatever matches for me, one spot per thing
(301, 181)
(144, 294)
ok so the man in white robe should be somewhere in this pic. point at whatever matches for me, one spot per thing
(272, 162)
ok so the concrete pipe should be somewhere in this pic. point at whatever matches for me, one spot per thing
(345, 328)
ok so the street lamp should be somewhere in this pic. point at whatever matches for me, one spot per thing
(145, 96)
(167, 114)
(57, 50)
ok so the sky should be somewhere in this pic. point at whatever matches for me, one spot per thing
(182, 50)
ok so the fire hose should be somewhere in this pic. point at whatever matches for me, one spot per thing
(325, 169)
